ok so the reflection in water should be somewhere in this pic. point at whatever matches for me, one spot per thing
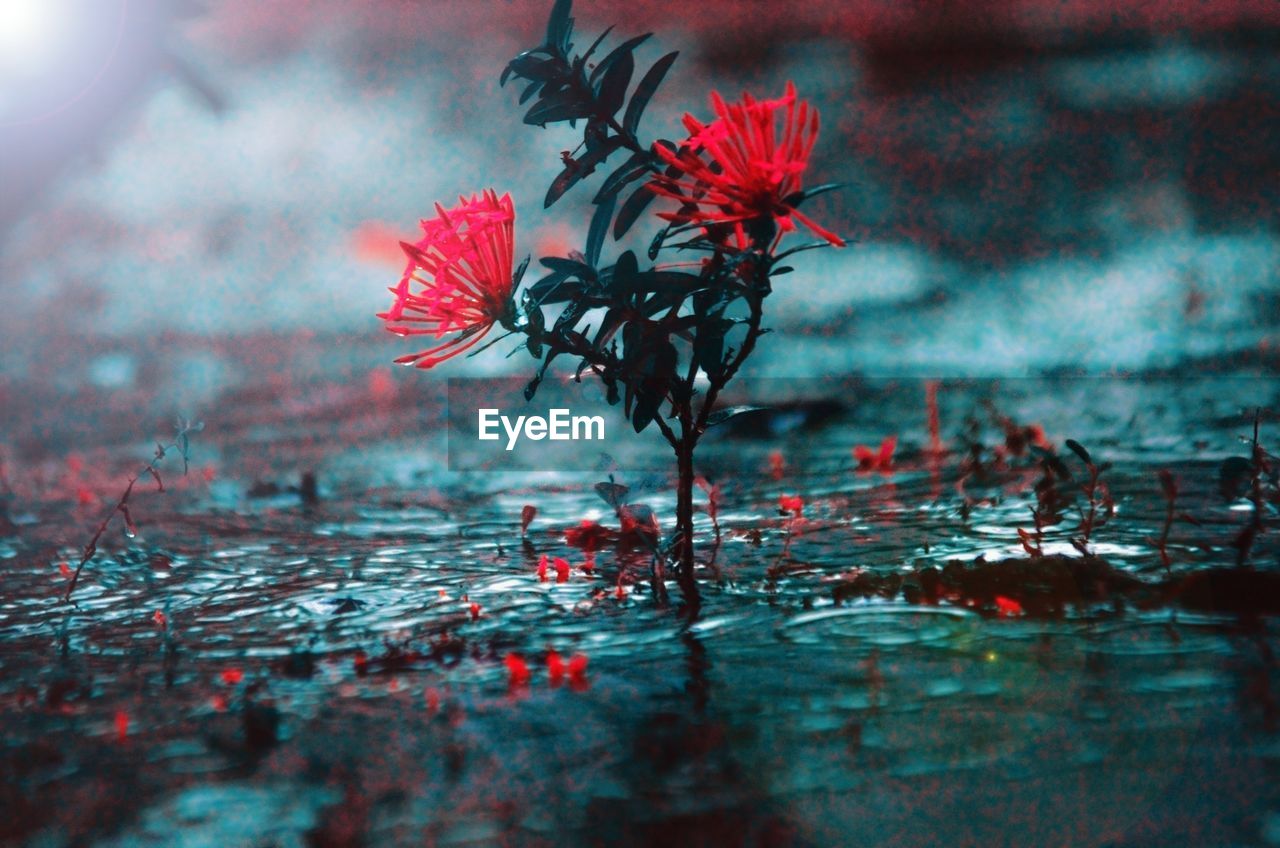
(322, 676)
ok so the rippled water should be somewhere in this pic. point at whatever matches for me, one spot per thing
(781, 715)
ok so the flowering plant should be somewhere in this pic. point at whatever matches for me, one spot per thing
(664, 339)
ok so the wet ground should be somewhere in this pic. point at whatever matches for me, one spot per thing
(263, 664)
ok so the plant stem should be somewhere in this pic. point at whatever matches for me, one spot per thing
(684, 519)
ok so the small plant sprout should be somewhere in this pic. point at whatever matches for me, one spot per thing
(666, 338)
(1098, 507)
(1260, 466)
(180, 445)
(1168, 489)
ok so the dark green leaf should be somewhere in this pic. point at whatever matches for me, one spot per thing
(585, 56)
(558, 107)
(708, 345)
(656, 368)
(576, 169)
(655, 244)
(623, 49)
(529, 91)
(612, 493)
(1078, 449)
(613, 87)
(636, 165)
(645, 90)
(569, 266)
(559, 24)
(722, 415)
(554, 288)
(624, 273)
(533, 67)
(600, 221)
(630, 211)
(798, 197)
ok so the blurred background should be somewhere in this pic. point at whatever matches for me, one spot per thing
(203, 198)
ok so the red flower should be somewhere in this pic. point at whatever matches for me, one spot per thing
(751, 169)
(463, 265)
(793, 504)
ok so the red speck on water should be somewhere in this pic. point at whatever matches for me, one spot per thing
(122, 725)
(517, 671)
(562, 570)
(433, 700)
(526, 517)
(555, 668)
(793, 504)
(161, 620)
(219, 703)
(85, 496)
(232, 676)
(475, 611)
(209, 473)
(360, 662)
(542, 569)
(1007, 607)
(776, 466)
(65, 570)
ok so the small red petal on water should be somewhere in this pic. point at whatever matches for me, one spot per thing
(475, 611)
(85, 496)
(209, 473)
(884, 459)
(122, 725)
(360, 662)
(542, 569)
(219, 703)
(232, 676)
(433, 701)
(578, 671)
(555, 668)
(517, 670)
(65, 570)
(526, 517)
(562, 569)
(1007, 607)
(161, 620)
(776, 465)
(793, 504)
